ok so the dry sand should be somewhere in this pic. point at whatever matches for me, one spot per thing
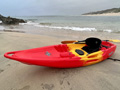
(17, 76)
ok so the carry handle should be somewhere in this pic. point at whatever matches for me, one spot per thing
(7, 55)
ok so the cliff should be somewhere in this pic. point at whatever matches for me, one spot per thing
(113, 10)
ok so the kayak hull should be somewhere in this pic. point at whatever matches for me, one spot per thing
(61, 56)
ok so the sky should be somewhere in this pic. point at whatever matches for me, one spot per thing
(54, 7)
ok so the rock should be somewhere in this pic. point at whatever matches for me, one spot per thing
(11, 21)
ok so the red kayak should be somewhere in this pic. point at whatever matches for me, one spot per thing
(65, 55)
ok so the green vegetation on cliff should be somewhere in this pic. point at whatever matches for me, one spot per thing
(113, 10)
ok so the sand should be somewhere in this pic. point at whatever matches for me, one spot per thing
(17, 76)
(105, 14)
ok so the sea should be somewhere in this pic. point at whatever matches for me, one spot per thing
(110, 24)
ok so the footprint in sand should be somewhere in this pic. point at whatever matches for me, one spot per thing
(1, 70)
(47, 86)
(25, 88)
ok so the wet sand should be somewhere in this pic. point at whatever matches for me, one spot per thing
(17, 76)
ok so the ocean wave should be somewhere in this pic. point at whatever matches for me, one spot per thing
(68, 28)
(29, 23)
(108, 30)
(0, 22)
(75, 28)
(2, 28)
(48, 25)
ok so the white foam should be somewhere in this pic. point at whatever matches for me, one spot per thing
(0, 21)
(83, 29)
(107, 30)
(2, 28)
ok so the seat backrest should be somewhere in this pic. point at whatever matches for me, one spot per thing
(93, 45)
(93, 42)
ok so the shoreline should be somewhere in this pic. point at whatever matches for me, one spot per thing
(63, 33)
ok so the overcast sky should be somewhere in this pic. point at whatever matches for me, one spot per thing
(54, 7)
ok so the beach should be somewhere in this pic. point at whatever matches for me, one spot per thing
(33, 52)
(105, 14)
(18, 76)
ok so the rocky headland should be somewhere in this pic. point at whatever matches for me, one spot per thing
(11, 21)
(109, 12)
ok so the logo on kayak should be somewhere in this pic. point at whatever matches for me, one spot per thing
(110, 53)
(47, 53)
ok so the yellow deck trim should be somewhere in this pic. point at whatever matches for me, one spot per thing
(88, 59)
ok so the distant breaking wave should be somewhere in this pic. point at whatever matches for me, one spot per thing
(48, 25)
(2, 28)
